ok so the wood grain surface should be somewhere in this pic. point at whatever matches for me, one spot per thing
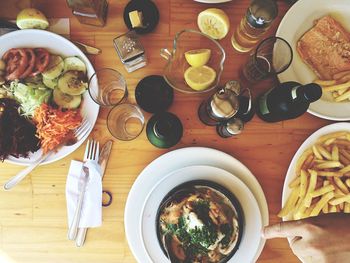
(33, 219)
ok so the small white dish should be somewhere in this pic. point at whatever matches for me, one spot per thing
(30, 38)
(251, 213)
(297, 21)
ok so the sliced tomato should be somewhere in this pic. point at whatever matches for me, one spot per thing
(42, 58)
(31, 63)
(16, 60)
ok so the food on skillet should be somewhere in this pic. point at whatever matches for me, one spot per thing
(200, 222)
(326, 48)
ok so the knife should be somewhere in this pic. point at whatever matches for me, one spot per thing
(102, 160)
(8, 26)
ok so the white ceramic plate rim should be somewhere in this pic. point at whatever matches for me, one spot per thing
(250, 209)
(212, 1)
(174, 160)
(294, 24)
(28, 38)
(341, 126)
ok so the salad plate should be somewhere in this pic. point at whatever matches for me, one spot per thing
(297, 21)
(170, 162)
(55, 44)
(251, 212)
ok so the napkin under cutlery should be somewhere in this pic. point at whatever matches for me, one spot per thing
(91, 214)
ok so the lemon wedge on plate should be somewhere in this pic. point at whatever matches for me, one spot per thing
(198, 57)
(214, 22)
(200, 78)
(31, 18)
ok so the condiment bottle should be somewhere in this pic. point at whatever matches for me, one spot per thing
(164, 130)
(90, 12)
(230, 128)
(254, 24)
(289, 100)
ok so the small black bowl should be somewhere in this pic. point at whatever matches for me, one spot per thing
(188, 188)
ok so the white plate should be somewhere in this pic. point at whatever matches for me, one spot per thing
(295, 23)
(251, 213)
(342, 126)
(170, 162)
(56, 44)
(212, 1)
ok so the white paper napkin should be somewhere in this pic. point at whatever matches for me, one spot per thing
(91, 214)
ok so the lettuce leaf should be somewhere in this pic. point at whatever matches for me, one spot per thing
(30, 96)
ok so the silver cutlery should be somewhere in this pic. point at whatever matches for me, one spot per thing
(92, 152)
(79, 133)
(102, 160)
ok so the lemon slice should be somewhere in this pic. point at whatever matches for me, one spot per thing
(198, 57)
(200, 78)
(31, 18)
(214, 22)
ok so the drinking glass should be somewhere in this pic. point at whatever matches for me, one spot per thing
(270, 58)
(107, 87)
(125, 121)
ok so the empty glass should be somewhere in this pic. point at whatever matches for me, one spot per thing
(107, 87)
(125, 121)
(270, 58)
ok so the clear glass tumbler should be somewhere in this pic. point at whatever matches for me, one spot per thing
(107, 87)
(270, 58)
(125, 121)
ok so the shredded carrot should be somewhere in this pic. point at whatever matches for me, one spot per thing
(54, 126)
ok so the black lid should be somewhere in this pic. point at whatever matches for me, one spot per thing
(150, 15)
(153, 94)
(312, 92)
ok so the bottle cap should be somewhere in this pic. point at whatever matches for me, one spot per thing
(164, 130)
(261, 13)
(312, 91)
(234, 126)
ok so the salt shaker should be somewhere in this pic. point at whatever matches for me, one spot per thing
(223, 105)
(230, 128)
(254, 24)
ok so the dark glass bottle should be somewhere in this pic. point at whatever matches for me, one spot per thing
(289, 100)
(164, 130)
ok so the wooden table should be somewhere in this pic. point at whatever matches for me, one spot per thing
(33, 220)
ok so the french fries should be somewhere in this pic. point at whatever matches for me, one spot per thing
(339, 86)
(322, 182)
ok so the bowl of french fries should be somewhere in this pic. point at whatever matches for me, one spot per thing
(318, 178)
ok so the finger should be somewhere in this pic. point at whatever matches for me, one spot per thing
(283, 229)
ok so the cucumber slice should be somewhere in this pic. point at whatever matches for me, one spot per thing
(71, 83)
(50, 83)
(55, 67)
(66, 101)
(74, 63)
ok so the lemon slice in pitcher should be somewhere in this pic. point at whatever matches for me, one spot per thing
(213, 22)
(31, 18)
(198, 57)
(200, 78)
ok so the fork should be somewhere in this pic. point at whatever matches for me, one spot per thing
(92, 152)
(79, 133)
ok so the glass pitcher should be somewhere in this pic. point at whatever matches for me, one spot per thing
(176, 66)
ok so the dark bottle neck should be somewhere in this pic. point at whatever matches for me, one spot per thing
(308, 93)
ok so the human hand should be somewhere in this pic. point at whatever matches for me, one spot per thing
(322, 239)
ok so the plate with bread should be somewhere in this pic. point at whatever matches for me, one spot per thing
(319, 33)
